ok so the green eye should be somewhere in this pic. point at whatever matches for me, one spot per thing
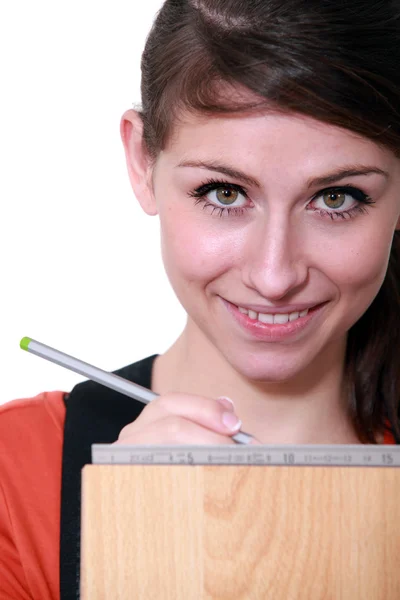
(227, 196)
(334, 199)
(221, 198)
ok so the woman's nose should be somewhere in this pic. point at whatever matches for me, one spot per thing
(275, 261)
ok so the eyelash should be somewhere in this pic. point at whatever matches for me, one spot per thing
(212, 184)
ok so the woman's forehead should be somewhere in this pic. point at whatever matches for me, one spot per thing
(286, 137)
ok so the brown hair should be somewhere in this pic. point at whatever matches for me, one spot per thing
(334, 60)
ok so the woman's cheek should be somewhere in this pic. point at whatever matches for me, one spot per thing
(358, 272)
(363, 260)
(195, 249)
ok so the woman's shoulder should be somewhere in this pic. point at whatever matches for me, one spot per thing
(31, 439)
(31, 442)
(388, 437)
(31, 432)
(44, 411)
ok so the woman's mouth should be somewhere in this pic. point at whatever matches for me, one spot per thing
(273, 326)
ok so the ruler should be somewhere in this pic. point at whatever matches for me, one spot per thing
(357, 455)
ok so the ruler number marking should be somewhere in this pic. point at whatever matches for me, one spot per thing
(387, 459)
(289, 458)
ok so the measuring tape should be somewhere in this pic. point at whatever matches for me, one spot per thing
(289, 455)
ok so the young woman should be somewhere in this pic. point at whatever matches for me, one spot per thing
(268, 143)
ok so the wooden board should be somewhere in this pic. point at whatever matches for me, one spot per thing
(243, 533)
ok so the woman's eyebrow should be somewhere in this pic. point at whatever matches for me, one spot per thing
(219, 168)
(347, 171)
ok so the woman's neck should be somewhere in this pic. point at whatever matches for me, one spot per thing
(309, 409)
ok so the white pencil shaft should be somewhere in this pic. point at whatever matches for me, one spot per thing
(119, 384)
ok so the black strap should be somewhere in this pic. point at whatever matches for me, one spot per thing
(94, 414)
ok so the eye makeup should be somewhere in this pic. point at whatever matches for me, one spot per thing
(202, 193)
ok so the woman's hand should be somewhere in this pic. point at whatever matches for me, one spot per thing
(177, 418)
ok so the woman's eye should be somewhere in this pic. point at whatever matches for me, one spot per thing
(334, 199)
(226, 196)
(221, 197)
(341, 202)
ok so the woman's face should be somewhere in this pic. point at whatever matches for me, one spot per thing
(265, 216)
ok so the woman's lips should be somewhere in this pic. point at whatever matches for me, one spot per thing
(272, 331)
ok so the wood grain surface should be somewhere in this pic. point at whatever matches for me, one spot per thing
(245, 533)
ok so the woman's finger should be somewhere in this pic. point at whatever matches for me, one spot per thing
(215, 415)
(172, 430)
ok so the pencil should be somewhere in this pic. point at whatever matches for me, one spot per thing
(109, 380)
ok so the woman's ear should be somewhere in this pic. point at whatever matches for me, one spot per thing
(138, 161)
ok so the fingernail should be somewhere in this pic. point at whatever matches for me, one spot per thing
(227, 402)
(231, 421)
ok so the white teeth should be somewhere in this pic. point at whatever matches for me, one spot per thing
(266, 318)
(281, 319)
(272, 319)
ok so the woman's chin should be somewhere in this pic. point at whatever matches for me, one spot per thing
(267, 370)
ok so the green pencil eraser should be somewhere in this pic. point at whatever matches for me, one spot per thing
(24, 343)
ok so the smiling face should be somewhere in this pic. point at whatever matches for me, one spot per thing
(267, 213)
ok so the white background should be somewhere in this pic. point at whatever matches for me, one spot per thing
(80, 262)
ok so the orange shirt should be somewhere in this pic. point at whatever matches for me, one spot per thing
(31, 436)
